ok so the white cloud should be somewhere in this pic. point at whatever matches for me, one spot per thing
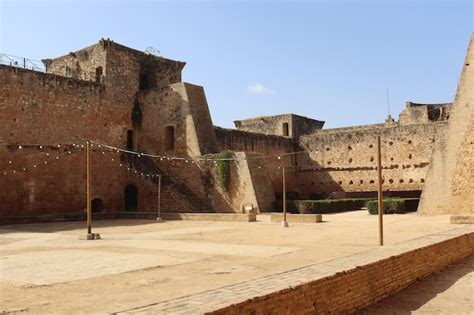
(259, 88)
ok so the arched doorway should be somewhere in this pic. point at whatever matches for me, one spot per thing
(97, 205)
(130, 198)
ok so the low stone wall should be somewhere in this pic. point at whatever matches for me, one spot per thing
(231, 217)
(342, 285)
(76, 217)
(462, 219)
(351, 289)
(296, 218)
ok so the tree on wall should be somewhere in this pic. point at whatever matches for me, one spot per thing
(223, 169)
(152, 51)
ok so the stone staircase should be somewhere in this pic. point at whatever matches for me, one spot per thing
(169, 182)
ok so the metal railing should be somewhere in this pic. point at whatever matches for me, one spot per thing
(20, 62)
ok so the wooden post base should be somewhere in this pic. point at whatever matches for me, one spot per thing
(90, 237)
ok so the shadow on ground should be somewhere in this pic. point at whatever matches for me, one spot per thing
(432, 291)
(68, 226)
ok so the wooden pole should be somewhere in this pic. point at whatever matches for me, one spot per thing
(89, 188)
(159, 198)
(380, 196)
(284, 223)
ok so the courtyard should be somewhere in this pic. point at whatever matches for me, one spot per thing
(46, 268)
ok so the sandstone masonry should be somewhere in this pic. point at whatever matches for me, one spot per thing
(122, 97)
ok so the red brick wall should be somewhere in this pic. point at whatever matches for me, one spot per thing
(352, 289)
(46, 109)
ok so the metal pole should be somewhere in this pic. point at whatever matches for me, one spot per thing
(380, 197)
(158, 218)
(284, 223)
(388, 103)
(89, 189)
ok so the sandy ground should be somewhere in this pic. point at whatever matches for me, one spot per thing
(45, 268)
(450, 291)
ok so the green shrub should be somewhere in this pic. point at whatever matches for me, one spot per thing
(390, 206)
(330, 205)
(223, 168)
(322, 206)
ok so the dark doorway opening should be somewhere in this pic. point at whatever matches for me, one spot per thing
(286, 130)
(144, 82)
(130, 140)
(169, 138)
(98, 74)
(131, 198)
(97, 206)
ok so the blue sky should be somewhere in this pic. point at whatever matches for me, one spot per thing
(330, 60)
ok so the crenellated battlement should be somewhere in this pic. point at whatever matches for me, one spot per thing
(47, 80)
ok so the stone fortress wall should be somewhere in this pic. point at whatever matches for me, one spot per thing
(450, 179)
(116, 95)
(62, 107)
(342, 161)
(286, 125)
(269, 146)
(49, 110)
(346, 161)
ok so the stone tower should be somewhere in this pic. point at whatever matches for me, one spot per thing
(450, 180)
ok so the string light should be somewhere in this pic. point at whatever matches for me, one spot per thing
(142, 174)
(198, 158)
(113, 149)
(35, 165)
(68, 153)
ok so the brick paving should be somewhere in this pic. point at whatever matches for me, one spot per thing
(217, 299)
